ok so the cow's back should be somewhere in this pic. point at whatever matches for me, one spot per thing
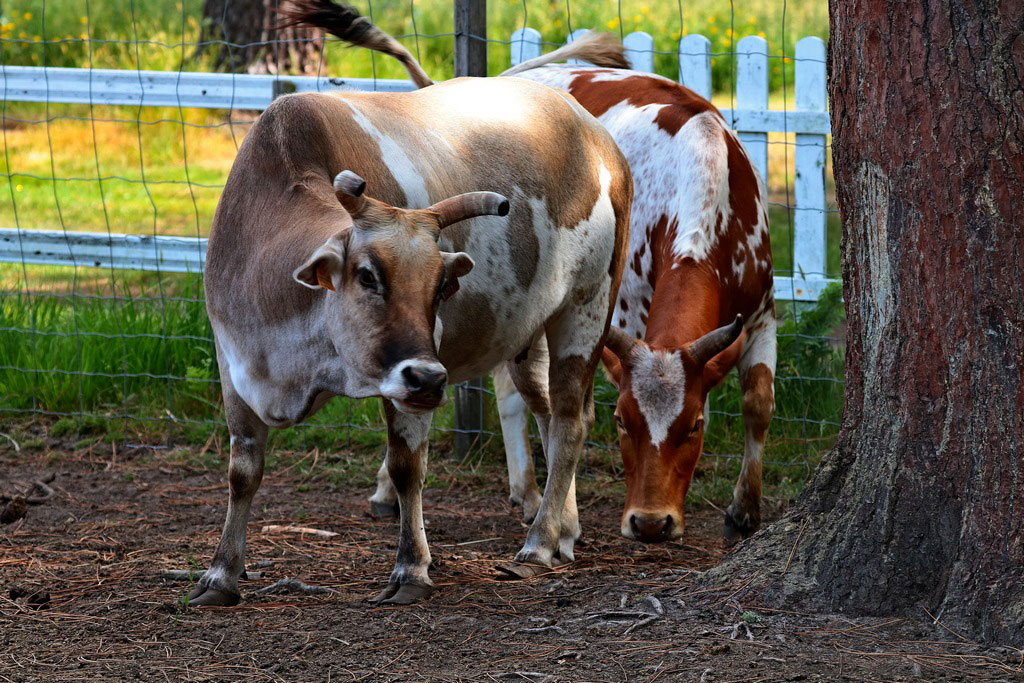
(699, 203)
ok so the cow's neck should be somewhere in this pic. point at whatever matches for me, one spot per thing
(685, 304)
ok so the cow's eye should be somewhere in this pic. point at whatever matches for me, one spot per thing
(696, 426)
(618, 422)
(366, 278)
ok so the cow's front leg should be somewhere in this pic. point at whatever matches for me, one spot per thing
(219, 585)
(757, 375)
(406, 463)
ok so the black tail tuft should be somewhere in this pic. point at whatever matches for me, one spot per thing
(343, 21)
(346, 23)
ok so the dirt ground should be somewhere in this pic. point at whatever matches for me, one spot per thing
(621, 612)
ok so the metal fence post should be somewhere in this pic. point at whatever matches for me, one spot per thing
(470, 37)
(470, 60)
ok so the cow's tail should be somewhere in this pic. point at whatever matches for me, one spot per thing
(346, 23)
(600, 49)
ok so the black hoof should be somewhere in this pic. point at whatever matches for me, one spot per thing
(734, 530)
(402, 594)
(518, 571)
(202, 596)
(383, 510)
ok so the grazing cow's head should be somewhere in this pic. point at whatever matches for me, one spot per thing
(660, 418)
(386, 278)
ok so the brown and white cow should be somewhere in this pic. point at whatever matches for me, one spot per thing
(699, 261)
(316, 290)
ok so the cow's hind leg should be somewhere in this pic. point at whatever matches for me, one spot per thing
(406, 465)
(573, 340)
(384, 501)
(219, 585)
(757, 380)
(515, 432)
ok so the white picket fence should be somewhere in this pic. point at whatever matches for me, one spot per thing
(751, 118)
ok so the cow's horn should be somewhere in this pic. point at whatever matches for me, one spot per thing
(715, 341)
(620, 343)
(469, 205)
(349, 188)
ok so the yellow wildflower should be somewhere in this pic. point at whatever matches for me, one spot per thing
(645, 10)
(558, 23)
(637, 19)
(713, 30)
(84, 20)
(711, 18)
(761, 34)
(84, 36)
(18, 188)
(28, 16)
(613, 23)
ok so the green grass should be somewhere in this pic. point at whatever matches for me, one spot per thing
(141, 366)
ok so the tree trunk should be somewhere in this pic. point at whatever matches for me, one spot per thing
(920, 505)
(252, 43)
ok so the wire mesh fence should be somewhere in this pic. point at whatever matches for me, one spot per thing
(97, 145)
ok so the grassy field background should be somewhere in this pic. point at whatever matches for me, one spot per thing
(126, 356)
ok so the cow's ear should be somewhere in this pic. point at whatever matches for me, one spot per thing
(455, 266)
(325, 267)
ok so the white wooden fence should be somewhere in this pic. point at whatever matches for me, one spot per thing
(751, 118)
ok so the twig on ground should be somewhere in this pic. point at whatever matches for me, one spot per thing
(935, 620)
(287, 585)
(641, 624)
(795, 544)
(45, 492)
(301, 530)
(17, 448)
(618, 614)
(543, 629)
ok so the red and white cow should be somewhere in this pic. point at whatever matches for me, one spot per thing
(315, 290)
(699, 259)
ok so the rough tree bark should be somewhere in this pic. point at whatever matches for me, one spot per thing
(255, 45)
(920, 505)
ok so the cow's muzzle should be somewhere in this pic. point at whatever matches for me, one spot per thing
(650, 527)
(416, 386)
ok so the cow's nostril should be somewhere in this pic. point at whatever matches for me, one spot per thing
(411, 377)
(420, 379)
(436, 379)
(651, 528)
